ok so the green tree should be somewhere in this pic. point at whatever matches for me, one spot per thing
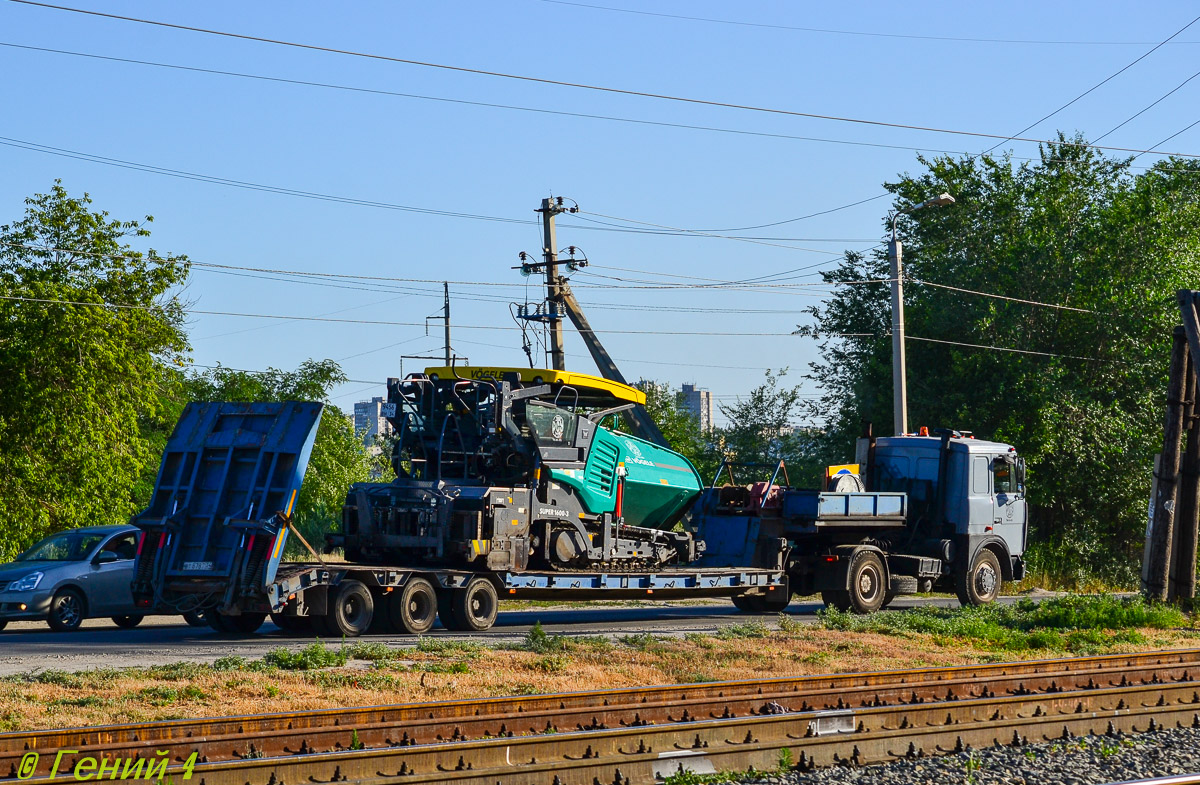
(680, 426)
(763, 429)
(339, 457)
(91, 330)
(1077, 389)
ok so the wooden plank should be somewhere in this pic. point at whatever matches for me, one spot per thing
(1162, 528)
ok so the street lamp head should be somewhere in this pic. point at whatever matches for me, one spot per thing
(940, 201)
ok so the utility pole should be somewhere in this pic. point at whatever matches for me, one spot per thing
(899, 382)
(895, 254)
(446, 316)
(554, 298)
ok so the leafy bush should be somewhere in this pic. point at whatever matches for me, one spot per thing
(538, 642)
(1076, 623)
(313, 656)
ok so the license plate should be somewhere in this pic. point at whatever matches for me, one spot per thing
(198, 566)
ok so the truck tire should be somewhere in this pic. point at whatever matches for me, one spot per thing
(980, 583)
(415, 610)
(68, 609)
(771, 602)
(350, 612)
(243, 624)
(866, 580)
(474, 607)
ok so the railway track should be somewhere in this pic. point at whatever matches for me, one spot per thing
(643, 733)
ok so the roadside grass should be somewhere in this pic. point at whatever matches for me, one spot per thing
(1078, 624)
(365, 672)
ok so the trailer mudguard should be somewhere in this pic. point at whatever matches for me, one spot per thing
(226, 490)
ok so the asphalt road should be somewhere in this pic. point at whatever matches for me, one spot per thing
(28, 646)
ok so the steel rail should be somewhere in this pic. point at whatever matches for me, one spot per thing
(286, 734)
(813, 738)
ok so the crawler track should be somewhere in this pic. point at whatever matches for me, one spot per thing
(577, 737)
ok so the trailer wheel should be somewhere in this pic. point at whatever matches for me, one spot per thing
(351, 610)
(474, 608)
(771, 602)
(867, 587)
(195, 619)
(128, 622)
(415, 610)
(244, 624)
(292, 623)
(980, 584)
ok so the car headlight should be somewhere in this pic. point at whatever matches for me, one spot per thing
(28, 583)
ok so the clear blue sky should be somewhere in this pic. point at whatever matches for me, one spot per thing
(500, 162)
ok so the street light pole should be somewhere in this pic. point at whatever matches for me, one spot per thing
(895, 257)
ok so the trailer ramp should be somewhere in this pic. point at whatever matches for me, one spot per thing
(218, 519)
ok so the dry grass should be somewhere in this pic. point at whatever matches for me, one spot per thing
(441, 671)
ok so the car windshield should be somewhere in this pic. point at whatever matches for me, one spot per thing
(64, 546)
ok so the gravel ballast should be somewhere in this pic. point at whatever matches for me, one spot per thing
(1083, 761)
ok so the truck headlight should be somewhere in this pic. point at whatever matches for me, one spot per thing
(28, 583)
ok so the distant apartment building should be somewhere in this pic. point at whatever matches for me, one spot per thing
(700, 404)
(369, 420)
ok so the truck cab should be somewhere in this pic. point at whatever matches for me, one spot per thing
(917, 513)
(983, 499)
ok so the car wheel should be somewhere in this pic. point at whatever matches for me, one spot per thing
(67, 611)
(127, 622)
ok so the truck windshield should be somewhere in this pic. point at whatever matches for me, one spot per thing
(1002, 476)
(550, 425)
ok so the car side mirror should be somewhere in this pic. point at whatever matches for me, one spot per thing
(105, 557)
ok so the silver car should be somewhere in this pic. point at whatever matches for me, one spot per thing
(71, 576)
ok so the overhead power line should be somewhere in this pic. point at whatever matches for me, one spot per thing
(1098, 85)
(1148, 107)
(1003, 297)
(1014, 351)
(464, 102)
(863, 33)
(383, 323)
(572, 85)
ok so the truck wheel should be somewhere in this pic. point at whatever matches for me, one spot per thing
(67, 611)
(243, 624)
(351, 610)
(474, 608)
(415, 609)
(867, 588)
(128, 622)
(980, 584)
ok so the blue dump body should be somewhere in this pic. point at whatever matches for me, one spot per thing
(228, 483)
